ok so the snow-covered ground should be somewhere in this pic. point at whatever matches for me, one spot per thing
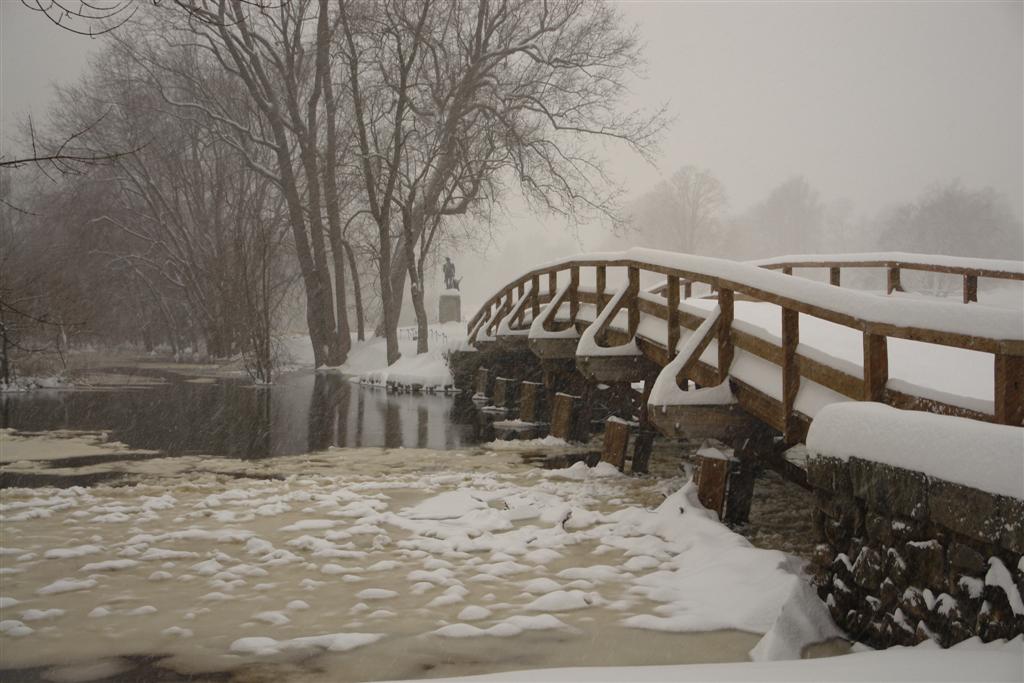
(367, 361)
(359, 564)
(22, 384)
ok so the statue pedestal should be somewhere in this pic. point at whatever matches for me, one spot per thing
(449, 306)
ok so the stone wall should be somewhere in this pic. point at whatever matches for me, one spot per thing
(904, 557)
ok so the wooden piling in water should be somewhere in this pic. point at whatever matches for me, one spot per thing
(616, 440)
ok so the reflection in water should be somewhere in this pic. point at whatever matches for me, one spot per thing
(302, 413)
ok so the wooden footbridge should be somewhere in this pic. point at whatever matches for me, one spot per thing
(775, 346)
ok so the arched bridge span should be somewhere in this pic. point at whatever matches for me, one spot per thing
(774, 345)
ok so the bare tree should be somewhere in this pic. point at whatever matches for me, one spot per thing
(281, 56)
(446, 98)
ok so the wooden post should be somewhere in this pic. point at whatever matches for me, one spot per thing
(1009, 389)
(644, 442)
(876, 366)
(833, 276)
(520, 288)
(970, 288)
(535, 301)
(602, 284)
(787, 270)
(562, 416)
(574, 292)
(893, 280)
(552, 283)
(712, 480)
(616, 439)
(504, 393)
(725, 350)
(673, 315)
(634, 308)
(529, 401)
(687, 290)
(482, 380)
(790, 372)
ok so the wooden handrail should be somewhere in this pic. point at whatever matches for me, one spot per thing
(890, 323)
(877, 319)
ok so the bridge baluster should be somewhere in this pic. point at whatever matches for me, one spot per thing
(876, 366)
(601, 286)
(634, 291)
(687, 290)
(574, 292)
(970, 288)
(725, 348)
(673, 315)
(552, 283)
(893, 280)
(790, 373)
(833, 276)
(535, 296)
(1009, 389)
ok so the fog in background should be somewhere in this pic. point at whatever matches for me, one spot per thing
(868, 105)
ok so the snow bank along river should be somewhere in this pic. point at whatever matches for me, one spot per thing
(363, 564)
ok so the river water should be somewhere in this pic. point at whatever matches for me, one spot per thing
(155, 409)
(256, 534)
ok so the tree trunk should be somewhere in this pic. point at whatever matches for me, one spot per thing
(416, 291)
(344, 335)
(357, 291)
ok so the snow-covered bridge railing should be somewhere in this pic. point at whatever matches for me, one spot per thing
(774, 374)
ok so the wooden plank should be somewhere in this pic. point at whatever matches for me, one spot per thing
(790, 370)
(1009, 389)
(787, 270)
(828, 376)
(673, 315)
(633, 310)
(602, 285)
(898, 399)
(616, 440)
(970, 288)
(757, 346)
(725, 349)
(687, 290)
(876, 367)
(652, 308)
(759, 404)
(833, 276)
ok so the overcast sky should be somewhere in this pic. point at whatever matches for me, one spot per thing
(871, 101)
